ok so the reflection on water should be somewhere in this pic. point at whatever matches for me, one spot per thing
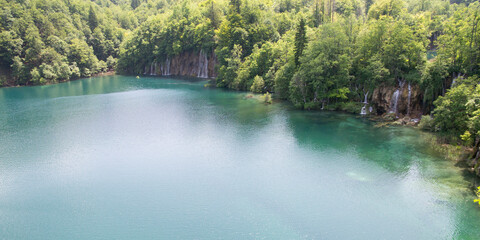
(125, 158)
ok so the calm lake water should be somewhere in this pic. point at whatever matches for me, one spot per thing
(154, 158)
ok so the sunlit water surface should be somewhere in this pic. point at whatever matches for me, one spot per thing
(153, 158)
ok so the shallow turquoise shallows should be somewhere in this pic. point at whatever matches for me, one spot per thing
(154, 158)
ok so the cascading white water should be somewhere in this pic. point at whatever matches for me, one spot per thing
(152, 69)
(409, 97)
(202, 65)
(455, 78)
(363, 111)
(364, 108)
(393, 102)
(395, 96)
(168, 67)
(165, 68)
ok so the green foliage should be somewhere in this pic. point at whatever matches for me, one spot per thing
(256, 64)
(478, 195)
(467, 138)
(40, 40)
(392, 8)
(350, 107)
(10, 46)
(426, 123)
(460, 49)
(111, 63)
(267, 97)
(324, 71)
(433, 79)
(92, 18)
(403, 52)
(300, 41)
(228, 74)
(458, 112)
(258, 85)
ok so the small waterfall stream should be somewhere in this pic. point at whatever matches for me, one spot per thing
(395, 96)
(165, 68)
(455, 78)
(202, 65)
(363, 111)
(409, 97)
(152, 69)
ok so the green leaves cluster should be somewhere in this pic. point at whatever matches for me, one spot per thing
(458, 112)
(49, 41)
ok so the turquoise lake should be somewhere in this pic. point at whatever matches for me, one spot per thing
(117, 157)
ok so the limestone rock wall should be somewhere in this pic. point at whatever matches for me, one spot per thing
(409, 100)
(189, 64)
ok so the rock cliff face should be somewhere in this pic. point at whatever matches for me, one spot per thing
(191, 64)
(402, 100)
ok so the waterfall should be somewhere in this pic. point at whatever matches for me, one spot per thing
(455, 78)
(202, 65)
(396, 95)
(393, 102)
(363, 111)
(152, 69)
(370, 109)
(168, 67)
(409, 97)
(165, 68)
(364, 108)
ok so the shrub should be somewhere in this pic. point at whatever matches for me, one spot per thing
(267, 97)
(467, 138)
(111, 63)
(352, 107)
(48, 72)
(478, 195)
(312, 105)
(36, 77)
(426, 123)
(258, 84)
(102, 66)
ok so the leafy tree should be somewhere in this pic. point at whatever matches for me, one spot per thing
(92, 18)
(111, 63)
(392, 8)
(403, 52)
(458, 110)
(135, 3)
(229, 72)
(258, 85)
(19, 71)
(324, 71)
(317, 15)
(10, 46)
(300, 41)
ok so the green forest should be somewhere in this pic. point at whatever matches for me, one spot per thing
(317, 54)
